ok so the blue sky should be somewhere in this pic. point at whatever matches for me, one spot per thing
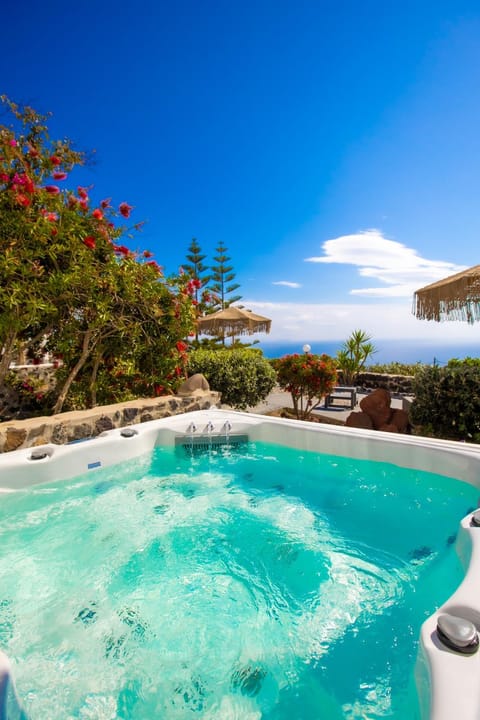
(332, 146)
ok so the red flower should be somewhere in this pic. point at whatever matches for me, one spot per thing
(181, 346)
(59, 175)
(147, 254)
(89, 241)
(125, 209)
(55, 160)
(13, 143)
(51, 217)
(105, 203)
(54, 231)
(29, 185)
(97, 214)
(158, 389)
(155, 266)
(52, 189)
(22, 200)
(121, 249)
(4, 177)
(82, 193)
(32, 151)
(83, 204)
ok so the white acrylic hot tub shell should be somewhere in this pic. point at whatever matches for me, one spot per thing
(448, 683)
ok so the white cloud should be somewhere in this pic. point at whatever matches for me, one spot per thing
(329, 321)
(287, 283)
(398, 267)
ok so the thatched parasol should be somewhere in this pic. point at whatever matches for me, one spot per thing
(455, 298)
(233, 321)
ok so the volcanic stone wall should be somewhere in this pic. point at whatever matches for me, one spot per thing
(78, 425)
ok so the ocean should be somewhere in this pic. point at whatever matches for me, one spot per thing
(388, 351)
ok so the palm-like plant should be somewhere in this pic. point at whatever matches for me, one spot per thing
(353, 355)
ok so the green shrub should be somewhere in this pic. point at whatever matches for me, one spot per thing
(395, 368)
(466, 362)
(447, 401)
(244, 377)
(307, 378)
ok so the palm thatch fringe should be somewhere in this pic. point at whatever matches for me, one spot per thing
(233, 321)
(454, 298)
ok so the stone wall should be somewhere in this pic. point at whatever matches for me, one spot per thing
(396, 384)
(78, 425)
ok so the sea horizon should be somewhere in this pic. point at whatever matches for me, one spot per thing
(388, 351)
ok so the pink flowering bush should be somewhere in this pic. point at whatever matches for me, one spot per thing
(65, 279)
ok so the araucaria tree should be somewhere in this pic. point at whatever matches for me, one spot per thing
(197, 272)
(66, 280)
(221, 284)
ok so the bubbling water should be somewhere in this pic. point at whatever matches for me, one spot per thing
(228, 585)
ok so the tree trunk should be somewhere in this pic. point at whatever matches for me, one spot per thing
(74, 372)
(93, 380)
(6, 357)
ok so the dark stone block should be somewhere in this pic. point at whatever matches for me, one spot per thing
(79, 432)
(130, 414)
(104, 423)
(59, 434)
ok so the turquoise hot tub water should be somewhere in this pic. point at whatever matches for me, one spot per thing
(262, 582)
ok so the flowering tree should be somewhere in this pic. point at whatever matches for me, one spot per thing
(307, 378)
(65, 277)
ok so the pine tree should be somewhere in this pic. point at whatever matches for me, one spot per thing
(221, 279)
(196, 270)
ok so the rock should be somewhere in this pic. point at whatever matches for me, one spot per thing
(400, 420)
(193, 384)
(359, 420)
(14, 439)
(129, 414)
(39, 441)
(388, 427)
(104, 423)
(81, 432)
(377, 407)
(59, 434)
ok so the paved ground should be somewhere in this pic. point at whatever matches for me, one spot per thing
(279, 399)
